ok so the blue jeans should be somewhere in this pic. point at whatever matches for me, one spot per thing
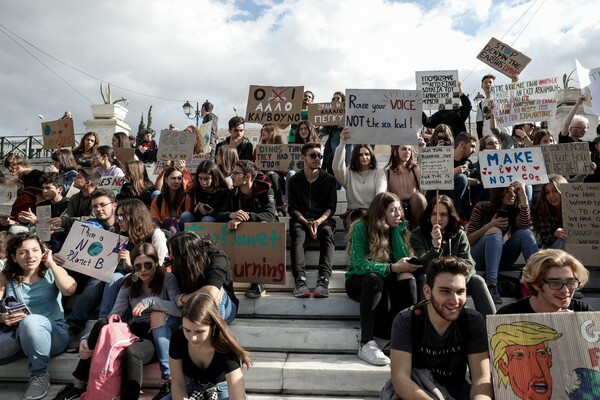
(109, 296)
(222, 389)
(161, 336)
(37, 338)
(558, 244)
(227, 308)
(88, 301)
(187, 216)
(490, 252)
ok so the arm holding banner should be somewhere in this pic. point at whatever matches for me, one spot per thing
(565, 127)
(64, 282)
(339, 166)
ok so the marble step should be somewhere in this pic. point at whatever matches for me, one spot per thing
(298, 336)
(337, 282)
(287, 373)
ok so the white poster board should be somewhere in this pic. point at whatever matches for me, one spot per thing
(500, 168)
(589, 82)
(526, 101)
(8, 195)
(383, 116)
(437, 168)
(440, 89)
(581, 220)
(92, 251)
(42, 228)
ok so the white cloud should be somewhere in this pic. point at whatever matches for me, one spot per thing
(208, 49)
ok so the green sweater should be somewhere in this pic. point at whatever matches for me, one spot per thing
(359, 265)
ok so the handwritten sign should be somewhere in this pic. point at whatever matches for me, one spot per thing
(559, 355)
(440, 89)
(378, 116)
(8, 195)
(113, 183)
(42, 228)
(567, 158)
(176, 145)
(581, 220)
(124, 154)
(256, 249)
(500, 168)
(589, 82)
(58, 134)
(281, 105)
(92, 251)
(526, 101)
(204, 131)
(279, 157)
(437, 168)
(503, 58)
(326, 114)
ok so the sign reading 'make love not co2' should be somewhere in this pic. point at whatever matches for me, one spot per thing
(500, 168)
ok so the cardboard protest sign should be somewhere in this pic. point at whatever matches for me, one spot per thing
(92, 251)
(204, 131)
(57, 134)
(279, 157)
(500, 168)
(8, 195)
(381, 116)
(567, 158)
(196, 160)
(503, 58)
(440, 89)
(589, 82)
(256, 249)
(326, 114)
(281, 105)
(581, 220)
(527, 101)
(175, 145)
(124, 154)
(545, 355)
(437, 168)
(113, 183)
(42, 228)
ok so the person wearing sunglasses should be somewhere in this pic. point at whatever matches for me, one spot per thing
(147, 302)
(552, 276)
(312, 201)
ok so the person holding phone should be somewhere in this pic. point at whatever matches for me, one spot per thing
(381, 274)
(208, 193)
(499, 232)
(439, 234)
(31, 276)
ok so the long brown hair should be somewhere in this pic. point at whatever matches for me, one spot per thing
(202, 309)
(395, 160)
(453, 219)
(543, 209)
(313, 137)
(355, 158)
(229, 157)
(141, 226)
(81, 146)
(165, 192)
(135, 173)
(274, 135)
(135, 286)
(379, 230)
(190, 254)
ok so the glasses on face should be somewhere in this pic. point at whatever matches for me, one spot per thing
(120, 217)
(442, 137)
(101, 205)
(580, 128)
(492, 143)
(571, 284)
(147, 266)
(314, 156)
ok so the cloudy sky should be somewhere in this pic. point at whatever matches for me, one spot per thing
(54, 53)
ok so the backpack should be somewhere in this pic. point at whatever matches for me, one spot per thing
(104, 381)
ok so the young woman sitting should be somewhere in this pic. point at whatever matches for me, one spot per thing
(84, 152)
(167, 207)
(105, 162)
(547, 218)
(147, 302)
(137, 185)
(204, 356)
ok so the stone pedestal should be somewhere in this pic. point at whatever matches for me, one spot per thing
(107, 126)
(566, 100)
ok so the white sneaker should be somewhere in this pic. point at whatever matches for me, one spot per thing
(372, 354)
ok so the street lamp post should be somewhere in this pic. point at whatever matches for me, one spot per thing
(188, 109)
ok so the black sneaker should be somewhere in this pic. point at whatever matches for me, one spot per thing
(322, 289)
(495, 294)
(165, 390)
(301, 291)
(255, 291)
(69, 392)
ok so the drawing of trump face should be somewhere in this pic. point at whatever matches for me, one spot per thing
(522, 358)
(528, 370)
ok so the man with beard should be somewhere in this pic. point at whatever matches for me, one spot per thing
(443, 337)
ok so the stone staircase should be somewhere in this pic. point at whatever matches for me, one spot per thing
(300, 348)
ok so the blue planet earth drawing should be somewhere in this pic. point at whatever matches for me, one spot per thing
(95, 249)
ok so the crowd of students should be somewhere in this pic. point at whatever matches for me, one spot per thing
(171, 283)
